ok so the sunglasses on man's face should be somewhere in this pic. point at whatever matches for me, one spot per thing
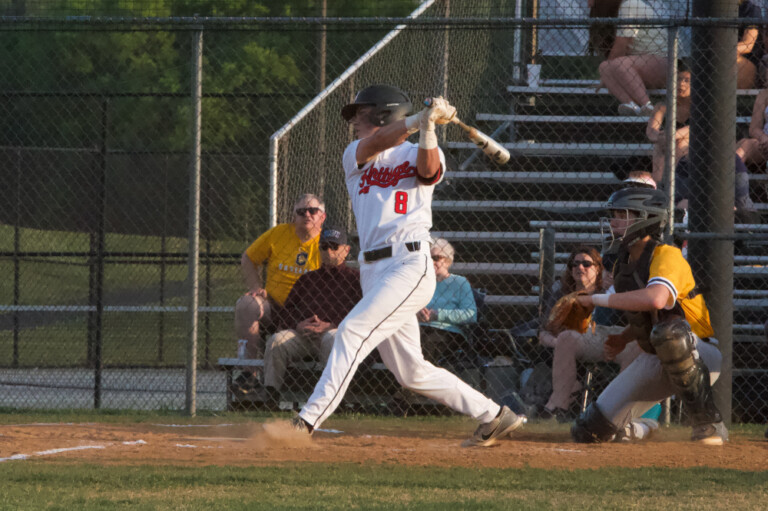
(304, 211)
(329, 245)
(585, 264)
(437, 257)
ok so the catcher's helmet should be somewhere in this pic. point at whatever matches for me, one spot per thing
(649, 204)
(390, 104)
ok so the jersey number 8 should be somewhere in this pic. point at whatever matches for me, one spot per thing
(401, 202)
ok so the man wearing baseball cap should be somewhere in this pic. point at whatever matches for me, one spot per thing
(316, 305)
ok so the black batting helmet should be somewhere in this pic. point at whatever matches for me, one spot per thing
(390, 104)
(649, 204)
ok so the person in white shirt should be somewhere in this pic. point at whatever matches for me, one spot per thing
(635, 56)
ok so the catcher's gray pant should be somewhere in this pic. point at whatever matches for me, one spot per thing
(394, 290)
(287, 346)
(643, 384)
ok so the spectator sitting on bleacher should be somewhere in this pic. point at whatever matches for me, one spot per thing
(288, 251)
(584, 272)
(753, 150)
(572, 346)
(749, 49)
(635, 55)
(316, 305)
(452, 307)
(654, 129)
(745, 211)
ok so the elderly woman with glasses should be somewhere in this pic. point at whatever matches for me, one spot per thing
(445, 318)
(585, 340)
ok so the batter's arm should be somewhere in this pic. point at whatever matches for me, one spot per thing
(384, 138)
(428, 165)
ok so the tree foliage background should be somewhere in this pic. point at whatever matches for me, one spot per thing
(99, 100)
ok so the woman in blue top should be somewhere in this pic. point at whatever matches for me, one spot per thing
(452, 308)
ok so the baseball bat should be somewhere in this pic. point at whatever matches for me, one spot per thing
(489, 146)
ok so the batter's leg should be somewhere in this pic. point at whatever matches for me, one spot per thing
(393, 291)
(402, 355)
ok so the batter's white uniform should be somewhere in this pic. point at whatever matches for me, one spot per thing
(392, 208)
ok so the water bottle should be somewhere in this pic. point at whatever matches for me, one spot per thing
(241, 344)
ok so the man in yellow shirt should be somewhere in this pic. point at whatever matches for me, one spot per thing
(286, 252)
(667, 316)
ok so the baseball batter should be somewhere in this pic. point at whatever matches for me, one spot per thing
(390, 183)
(667, 316)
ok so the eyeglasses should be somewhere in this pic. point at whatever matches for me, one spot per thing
(585, 264)
(329, 245)
(304, 211)
(437, 257)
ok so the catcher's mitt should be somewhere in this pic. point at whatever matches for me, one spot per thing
(569, 314)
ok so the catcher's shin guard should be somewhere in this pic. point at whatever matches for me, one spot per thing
(591, 427)
(675, 346)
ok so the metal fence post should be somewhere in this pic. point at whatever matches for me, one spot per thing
(17, 262)
(668, 182)
(711, 152)
(546, 268)
(194, 219)
(96, 260)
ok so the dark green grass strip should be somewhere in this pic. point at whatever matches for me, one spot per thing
(36, 485)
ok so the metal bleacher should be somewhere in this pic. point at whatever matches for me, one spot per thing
(562, 137)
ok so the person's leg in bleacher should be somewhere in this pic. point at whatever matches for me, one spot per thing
(571, 347)
(282, 348)
(629, 78)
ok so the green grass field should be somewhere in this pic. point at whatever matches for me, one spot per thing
(37, 486)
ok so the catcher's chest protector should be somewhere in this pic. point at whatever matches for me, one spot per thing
(629, 276)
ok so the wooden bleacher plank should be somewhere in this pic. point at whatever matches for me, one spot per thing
(590, 90)
(491, 205)
(516, 237)
(500, 268)
(566, 224)
(585, 119)
(539, 177)
(566, 148)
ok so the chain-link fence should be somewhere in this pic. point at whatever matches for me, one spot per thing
(99, 143)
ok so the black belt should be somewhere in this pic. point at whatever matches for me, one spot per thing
(383, 253)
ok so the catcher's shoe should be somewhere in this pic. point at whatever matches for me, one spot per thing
(301, 426)
(487, 434)
(637, 429)
(710, 434)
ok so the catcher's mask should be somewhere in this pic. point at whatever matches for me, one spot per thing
(389, 104)
(650, 217)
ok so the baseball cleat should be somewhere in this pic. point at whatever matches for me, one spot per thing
(300, 425)
(710, 434)
(487, 434)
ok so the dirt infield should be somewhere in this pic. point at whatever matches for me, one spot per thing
(406, 444)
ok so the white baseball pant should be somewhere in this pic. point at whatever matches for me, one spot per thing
(394, 289)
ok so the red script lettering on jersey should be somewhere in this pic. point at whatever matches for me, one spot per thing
(385, 177)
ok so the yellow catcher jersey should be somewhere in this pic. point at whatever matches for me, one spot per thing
(287, 259)
(670, 269)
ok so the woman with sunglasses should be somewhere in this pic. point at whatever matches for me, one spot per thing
(452, 307)
(584, 272)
